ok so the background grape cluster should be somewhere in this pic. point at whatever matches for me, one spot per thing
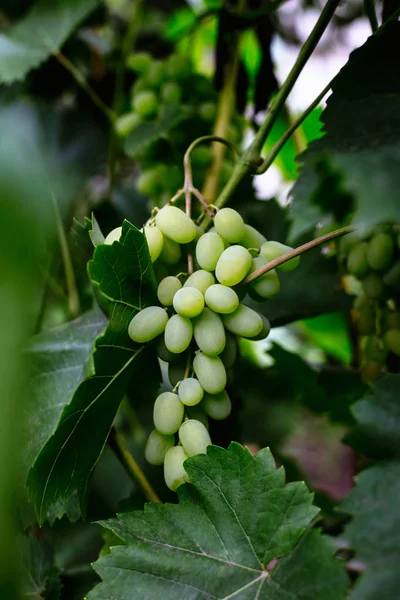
(373, 261)
(198, 321)
(161, 87)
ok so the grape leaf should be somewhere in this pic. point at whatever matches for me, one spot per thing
(377, 431)
(359, 156)
(123, 273)
(38, 35)
(233, 519)
(38, 572)
(374, 531)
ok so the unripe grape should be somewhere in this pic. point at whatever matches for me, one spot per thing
(226, 243)
(113, 236)
(167, 289)
(147, 324)
(373, 286)
(252, 238)
(217, 406)
(264, 333)
(155, 75)
(188, 302)
(245, 322)
(357, 262)
(366, 321)
(272, 250)
(380, 252)
(199, 232)
(208, 111)
(171, 252)
(157, 446)
(209, 332)
(228, 354)
(375, 349)
(266, 285)
(155, 241)
(176, 225)
(392, 340)
(201, 280)
(221, 299)
(190, 391)
(168, 413)
(174, 472)
(210, 372)
(126, 123)
(171, 93)
(392, 319)
(139, 62)
(392, 276)
(233, 265)
(145, 104)
(148, 182)
(348, 241)
(162, 351)
(177, 67)
(176, 369)
(178, 334)
(361, 302)
(194, 437)
(208, 250)
(230, 225)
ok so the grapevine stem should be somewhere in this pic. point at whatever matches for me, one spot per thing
(81, 81)
(293, 253)
(369, 6)
(120, 449)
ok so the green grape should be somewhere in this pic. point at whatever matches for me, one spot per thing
(233, 265)
(168, 413)
(199, 233)
(209, 332)
(155, 241)
(375, 349)
(252, 238)
(226, 243)
(113, 236)
(167, 289)
(221, 299)
(201, 280)
(380, 252)
(266, 285)
(194, 437)
(176, 369)
(155, 75)
(170, 93)
(145, 104)
(157, 446)
(230, 225)
(392, 340)
(217, 406)
(171, 252)
(392, 319)
(140, 85)
(361, 302)
(147, 324)
(175, 224)
(178, 334)
(190, 391)
(373, 286)
(392, 276)
(208, 111)
(264, 333)
(148, 182)
(177, 67)
(272, 250)
(366, 321)
(139, 62)
(210, 372)
(228, 354)
(174, 472)
(162, 350)
(244, 322)
(188, 302)
(357, 262)
(348, 241)
(208, 250)
(126, 123)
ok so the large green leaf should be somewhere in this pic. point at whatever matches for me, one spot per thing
(233, 519)
(39, 35)
(124, 275)
(38, 573)
(374, 531)
(377, 431)
(355, 168)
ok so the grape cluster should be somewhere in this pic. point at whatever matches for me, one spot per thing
(196, 325)
(373, 261)
(160, 86)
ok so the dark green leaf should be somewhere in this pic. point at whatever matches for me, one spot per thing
(38, 572)
(359, 157)
(377, 431)
(330, 332)
(233, 519)
(38, 35)
(374, 531)
(124, 275)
